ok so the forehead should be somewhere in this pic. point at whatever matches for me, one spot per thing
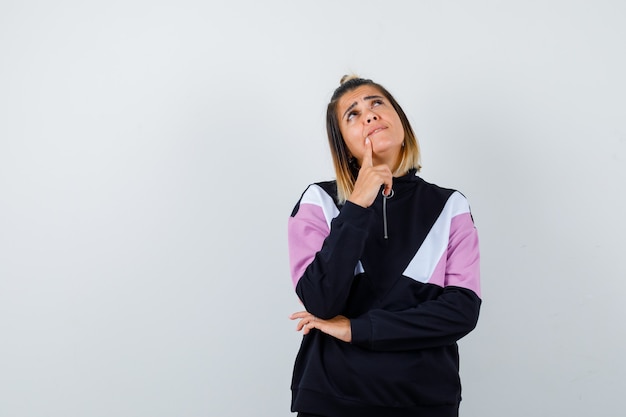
(357, 95)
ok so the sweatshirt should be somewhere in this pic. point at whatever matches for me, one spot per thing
(405, 271)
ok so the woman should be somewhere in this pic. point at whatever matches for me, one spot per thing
(387, 267)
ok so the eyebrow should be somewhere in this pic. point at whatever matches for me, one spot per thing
(355, 103)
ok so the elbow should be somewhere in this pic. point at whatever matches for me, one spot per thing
(470, 320)
(468, 310)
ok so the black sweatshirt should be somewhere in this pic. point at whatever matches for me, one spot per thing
(405, 271)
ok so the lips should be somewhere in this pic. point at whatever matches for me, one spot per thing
(375, 130)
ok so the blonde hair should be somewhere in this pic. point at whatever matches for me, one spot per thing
(346, 167)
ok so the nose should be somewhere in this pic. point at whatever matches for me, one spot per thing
(371, 117)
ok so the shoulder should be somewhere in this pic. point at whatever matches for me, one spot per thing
(323, 194)
(433, 188)
(452, 200)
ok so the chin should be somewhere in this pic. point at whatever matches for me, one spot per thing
(385, 148)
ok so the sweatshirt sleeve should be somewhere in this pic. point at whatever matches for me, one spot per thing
(440, 321)
(325, 245)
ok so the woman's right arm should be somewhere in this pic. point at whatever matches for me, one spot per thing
(322, 259)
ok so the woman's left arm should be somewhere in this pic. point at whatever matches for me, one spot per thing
(437, 322)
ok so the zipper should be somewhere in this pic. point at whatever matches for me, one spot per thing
(385, 198)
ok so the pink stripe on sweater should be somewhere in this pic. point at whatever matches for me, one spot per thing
(306, 233)
(460, 265)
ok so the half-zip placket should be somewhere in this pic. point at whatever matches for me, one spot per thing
(385, 198)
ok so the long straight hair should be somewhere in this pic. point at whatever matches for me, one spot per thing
(346, 167)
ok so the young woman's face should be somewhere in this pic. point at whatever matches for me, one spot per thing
(365, 112)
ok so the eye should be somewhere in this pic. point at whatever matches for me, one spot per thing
(351, 115)
(376, 102)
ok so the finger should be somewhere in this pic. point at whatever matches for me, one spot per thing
(312, 324)
(386, 178)
(387, 187)
(298, 315)
(300, 325)
(305, 325)
(367, 155)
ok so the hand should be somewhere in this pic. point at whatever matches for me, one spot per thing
(370, 179)
(337, 327)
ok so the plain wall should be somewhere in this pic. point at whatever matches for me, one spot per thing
(151, 153)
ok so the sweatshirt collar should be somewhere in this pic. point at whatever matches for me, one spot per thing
(410, 176)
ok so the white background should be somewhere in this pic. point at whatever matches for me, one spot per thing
(151, 153)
